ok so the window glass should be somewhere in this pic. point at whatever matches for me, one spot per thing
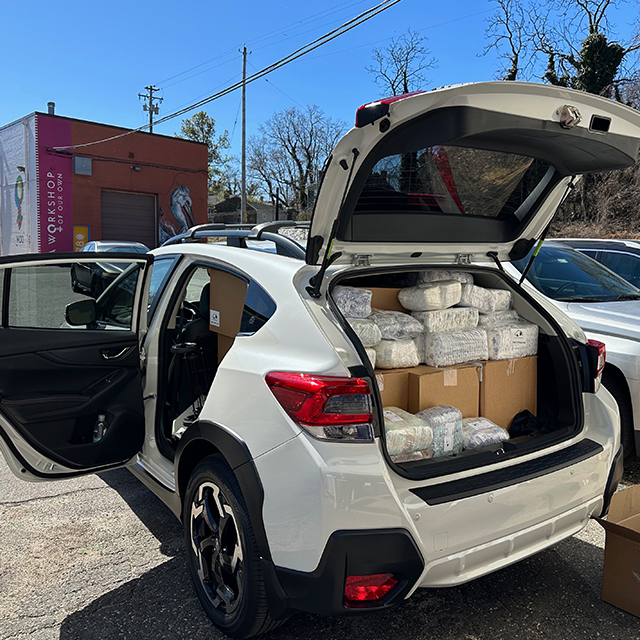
(258, 308)
(454, 180)
(159, 276)
(625, 265)
(568, 275)
(115, 307)
(39, 294)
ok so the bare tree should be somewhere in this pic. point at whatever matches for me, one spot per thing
(399, 66)
(288, 154)
(574, 37)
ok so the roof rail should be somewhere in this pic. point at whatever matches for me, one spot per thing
(272, 226)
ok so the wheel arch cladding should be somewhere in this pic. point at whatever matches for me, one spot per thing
(205, 438)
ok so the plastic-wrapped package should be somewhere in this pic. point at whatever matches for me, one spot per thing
(353, 302)
(476, 297)
(512, 340)
(396, 354)
(454, 319)
(371, 354)
(481, 432)
(437, 275)
(488, 320)
(396, 325)
(406, 433)
(455, 347)
(501, 299)
(446, 424)
(427, 297)
(366, 330)
(485, 300)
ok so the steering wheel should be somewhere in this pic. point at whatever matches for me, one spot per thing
(566, 285)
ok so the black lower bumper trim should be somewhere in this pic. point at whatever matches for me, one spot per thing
(354, 553)
(494, 480)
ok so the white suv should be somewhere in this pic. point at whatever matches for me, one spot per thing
(231, 384)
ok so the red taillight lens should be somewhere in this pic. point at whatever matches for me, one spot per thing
(327, 407)
(602, 357)
(359, 590)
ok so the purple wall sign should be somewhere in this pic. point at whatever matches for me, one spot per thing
(55, 213)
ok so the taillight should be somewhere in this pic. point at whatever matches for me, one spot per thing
(362, 591)
(600, 360)
(328, 408)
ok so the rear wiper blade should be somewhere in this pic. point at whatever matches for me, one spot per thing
(628, 296)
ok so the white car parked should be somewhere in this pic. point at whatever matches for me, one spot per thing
(607, 308)
(233, 387)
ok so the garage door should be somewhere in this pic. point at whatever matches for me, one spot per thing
(129, 216)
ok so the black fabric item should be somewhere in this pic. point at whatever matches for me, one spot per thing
(526, 424)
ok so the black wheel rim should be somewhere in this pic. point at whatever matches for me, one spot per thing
(216, 544)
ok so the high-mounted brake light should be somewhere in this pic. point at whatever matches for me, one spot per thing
(372, 111)
(363, 591)
(327, 407)
(601, 361)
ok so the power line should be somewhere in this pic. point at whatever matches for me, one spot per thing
(272, 34)
(298, 53)
(286, 95)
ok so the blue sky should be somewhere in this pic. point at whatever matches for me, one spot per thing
(92, 59)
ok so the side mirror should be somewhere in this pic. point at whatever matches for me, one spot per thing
(80, 313)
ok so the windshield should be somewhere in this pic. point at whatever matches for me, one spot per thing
(570, 276)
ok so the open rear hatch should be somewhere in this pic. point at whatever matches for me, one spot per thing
(467, 170)
(461, 179)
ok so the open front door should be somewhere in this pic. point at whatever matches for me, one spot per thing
(71, 393)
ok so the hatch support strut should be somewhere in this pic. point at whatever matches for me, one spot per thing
(316, 281)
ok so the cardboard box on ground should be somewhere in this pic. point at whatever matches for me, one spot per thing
(494, 389)
(227, 294)
(621, 577)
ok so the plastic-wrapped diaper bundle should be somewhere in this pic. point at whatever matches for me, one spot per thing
(454, 319)
(488, 320)
(480, 432)
(437, 275)
(396, 354)
(353, 302)
(501, 299)
(406, 434)
(455, 347)
(485, 300)
(371, 354)
(446, 424)
(427, 297)
(512, 340)
(366, 330)
(395, 325)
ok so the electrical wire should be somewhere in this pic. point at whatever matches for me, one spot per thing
(298, 53)
(278, 88)
(268, 36)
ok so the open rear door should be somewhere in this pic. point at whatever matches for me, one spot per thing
(70, 393)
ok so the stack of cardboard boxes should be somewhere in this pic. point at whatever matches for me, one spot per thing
(494, 389)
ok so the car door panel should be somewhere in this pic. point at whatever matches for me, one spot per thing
(73, 396)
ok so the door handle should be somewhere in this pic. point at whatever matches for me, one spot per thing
(112, 354)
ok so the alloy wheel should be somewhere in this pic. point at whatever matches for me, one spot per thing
(217, 547)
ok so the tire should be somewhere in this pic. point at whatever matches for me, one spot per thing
(222, 553)
(620, 393)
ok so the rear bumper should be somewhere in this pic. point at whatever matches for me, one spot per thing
(354, 553)
(615, 476)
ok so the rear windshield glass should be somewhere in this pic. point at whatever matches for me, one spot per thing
(451, 180)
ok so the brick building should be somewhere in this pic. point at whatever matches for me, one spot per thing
(56, 196)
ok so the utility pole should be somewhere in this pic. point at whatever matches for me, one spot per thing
(243, 195)
(151, 107)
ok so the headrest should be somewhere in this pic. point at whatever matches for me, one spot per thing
(204, 302)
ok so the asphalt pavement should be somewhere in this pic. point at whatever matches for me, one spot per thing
(100, 557)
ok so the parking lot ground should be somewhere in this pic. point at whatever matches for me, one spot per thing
(101, 557)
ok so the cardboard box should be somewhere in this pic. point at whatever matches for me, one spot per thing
(621, 578)
(394, 387)
(508, 387)
(386, 298)
(457, 386)
(227, 294)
